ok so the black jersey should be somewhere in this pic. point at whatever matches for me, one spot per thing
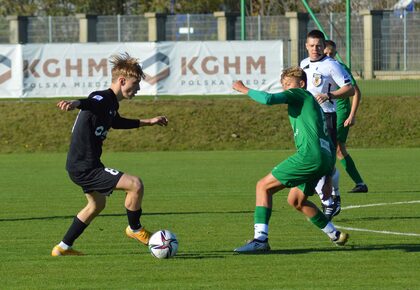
(98, 113)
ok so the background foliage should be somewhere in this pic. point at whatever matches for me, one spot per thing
(203, 124)
(124, 7)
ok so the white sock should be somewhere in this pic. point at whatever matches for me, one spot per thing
(330, 230)
(261, 232)
(64, 246)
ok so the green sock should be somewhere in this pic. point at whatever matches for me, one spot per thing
(320, 220)
(262, 215)
(350, 167)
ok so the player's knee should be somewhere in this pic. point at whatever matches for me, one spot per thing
(294, 202)
(137, 186)
(261, 185)
(95, 208)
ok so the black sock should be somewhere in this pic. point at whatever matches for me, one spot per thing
(75, 230)
(134, 219)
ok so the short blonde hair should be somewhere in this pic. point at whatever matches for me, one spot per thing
(294, 72)
(126, 66)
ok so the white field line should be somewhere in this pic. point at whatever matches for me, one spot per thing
(379, 232)
(379, 204)
(375, 231)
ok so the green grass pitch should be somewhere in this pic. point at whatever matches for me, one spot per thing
(207, 199)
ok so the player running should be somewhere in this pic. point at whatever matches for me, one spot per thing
(98, 114)
(315, 157)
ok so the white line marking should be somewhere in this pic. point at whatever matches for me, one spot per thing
(379, 204)
(374, 231)
(379, 232)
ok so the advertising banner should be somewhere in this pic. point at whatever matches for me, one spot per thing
(11, 71)
(171, 68)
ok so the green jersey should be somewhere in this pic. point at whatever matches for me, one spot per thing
(306, 118)
(344, 104)
(315, 156)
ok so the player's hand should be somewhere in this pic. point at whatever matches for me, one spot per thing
(350, 121)
(240, 87)
(321, 98)
(68, 105)
(160, 120)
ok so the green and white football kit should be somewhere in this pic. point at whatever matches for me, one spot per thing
(315, 156)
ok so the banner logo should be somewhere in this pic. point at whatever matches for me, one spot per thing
(5, 62)
(157, 59)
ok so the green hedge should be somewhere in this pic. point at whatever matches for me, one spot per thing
(204, 124)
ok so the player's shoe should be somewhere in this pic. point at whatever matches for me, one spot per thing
(334, 209)
(340, 239)
(143, 236)
(59, 251)
(359, 188)
(254, 246)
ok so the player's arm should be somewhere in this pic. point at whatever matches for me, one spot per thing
(68, 105)
(351, 120)
(124, 123)
(260, 96)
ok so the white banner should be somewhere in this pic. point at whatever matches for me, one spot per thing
(211, 67)
(172, 68)
(11, 77)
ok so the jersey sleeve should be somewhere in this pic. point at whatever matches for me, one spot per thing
(340, 76)
(346, 68)
(122, 123)
(267, 98)
(93, 103)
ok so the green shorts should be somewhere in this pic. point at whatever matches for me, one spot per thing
(342, 132)
(298, 171)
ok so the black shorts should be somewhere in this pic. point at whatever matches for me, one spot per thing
(331, 120)
(102, 180)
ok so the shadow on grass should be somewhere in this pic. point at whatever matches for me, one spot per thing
(410, 248)
(123, 214)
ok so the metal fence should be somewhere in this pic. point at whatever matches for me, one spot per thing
(397, 48)
(191, 27)
(119, 28)
(50, 29)
(4, 30)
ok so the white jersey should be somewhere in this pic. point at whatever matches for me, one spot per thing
(324, 76)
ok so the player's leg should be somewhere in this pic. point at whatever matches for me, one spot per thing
(265, 189)
(95, 204)
(134, 188)
(350, 167)
(300, 202)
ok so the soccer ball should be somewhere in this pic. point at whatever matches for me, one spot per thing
(163, 244)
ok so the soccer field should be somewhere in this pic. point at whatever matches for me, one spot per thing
(208, 199)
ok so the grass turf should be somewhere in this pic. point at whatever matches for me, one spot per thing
(207, 199)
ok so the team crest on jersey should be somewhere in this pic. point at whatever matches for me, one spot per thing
(317, 79)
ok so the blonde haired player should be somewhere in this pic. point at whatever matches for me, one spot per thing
(315, 157)
(98, 114)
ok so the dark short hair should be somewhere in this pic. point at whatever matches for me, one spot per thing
(330, 43)
(316, 34)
